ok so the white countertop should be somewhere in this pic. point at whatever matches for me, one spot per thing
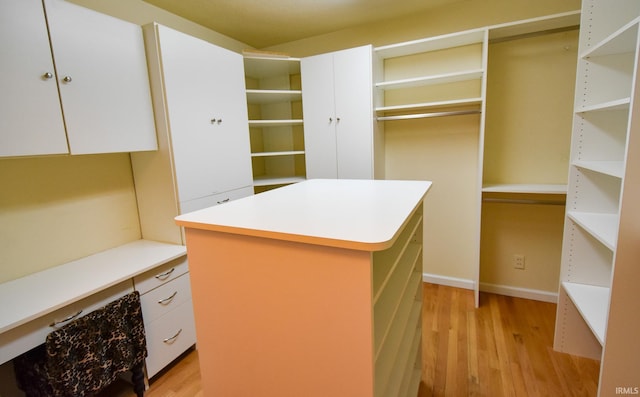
(355, 214)
(35, 295)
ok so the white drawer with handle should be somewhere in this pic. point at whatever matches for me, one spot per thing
(165, 298)
(169, 336)
(171, 270)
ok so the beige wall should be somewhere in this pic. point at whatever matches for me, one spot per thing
(56, 209)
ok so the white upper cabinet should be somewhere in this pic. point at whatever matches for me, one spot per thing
(30, 118)
(337, 102)
(103, 80)
(205, 114)
(101, 75)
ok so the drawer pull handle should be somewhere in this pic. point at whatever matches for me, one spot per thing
(224, 201)
(71, 317)
(170, 340)
(168, 300)
(165, 275)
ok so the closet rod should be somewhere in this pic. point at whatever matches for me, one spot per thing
(427, 115)
(523, 201)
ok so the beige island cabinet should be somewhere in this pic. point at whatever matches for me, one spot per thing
(312, 289)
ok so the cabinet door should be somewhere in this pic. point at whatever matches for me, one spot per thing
(30, 117)
(319, 116)
(354, 112)
(106, 102)
(204, 89)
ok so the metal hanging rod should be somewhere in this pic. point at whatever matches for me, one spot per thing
(523, 201)
(428, 115)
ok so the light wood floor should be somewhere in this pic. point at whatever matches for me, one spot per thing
(503, 348)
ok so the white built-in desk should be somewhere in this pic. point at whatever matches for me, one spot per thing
(313, 289)
(32, 303)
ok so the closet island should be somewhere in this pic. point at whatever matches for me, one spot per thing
(311, 289)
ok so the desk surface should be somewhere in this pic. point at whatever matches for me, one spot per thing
(35, 295)
(354, 214)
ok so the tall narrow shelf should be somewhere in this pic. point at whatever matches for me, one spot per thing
(599, 263)
(274, 99)
(526, 150)
(436, 86)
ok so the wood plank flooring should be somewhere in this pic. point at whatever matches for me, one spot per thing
(503, 348)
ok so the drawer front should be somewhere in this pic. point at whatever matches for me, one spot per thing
(162, 274)
(25, 337)
(216, 199)
(169, 336)
(165, 298)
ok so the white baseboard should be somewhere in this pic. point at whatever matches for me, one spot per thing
(448, 281)
(526, 293)
(508, 290)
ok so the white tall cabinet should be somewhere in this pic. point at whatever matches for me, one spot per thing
(203, 160)
(73, 81)
(598, 301)
(201, 116)
(341, 140)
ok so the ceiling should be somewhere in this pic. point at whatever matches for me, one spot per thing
(264, 23)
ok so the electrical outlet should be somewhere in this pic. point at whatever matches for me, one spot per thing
(518, 261)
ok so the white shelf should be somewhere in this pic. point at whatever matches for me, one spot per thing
(617, 104)
(259, 67)
(611, 168)
(445, 78)
(439, 105)
(603, 227)
(526, 188)
(260, 97)
(622, 41)
(272, 180)
(431, 44)
(273, 154)
(593, 304)
(274, 123)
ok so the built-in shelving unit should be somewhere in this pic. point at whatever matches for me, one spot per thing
(274, 99)
(525, 154)
(600, 186)
(437, 84)
(453, 66)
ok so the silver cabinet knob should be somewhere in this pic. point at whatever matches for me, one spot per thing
(47, 76)
(67, 79)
